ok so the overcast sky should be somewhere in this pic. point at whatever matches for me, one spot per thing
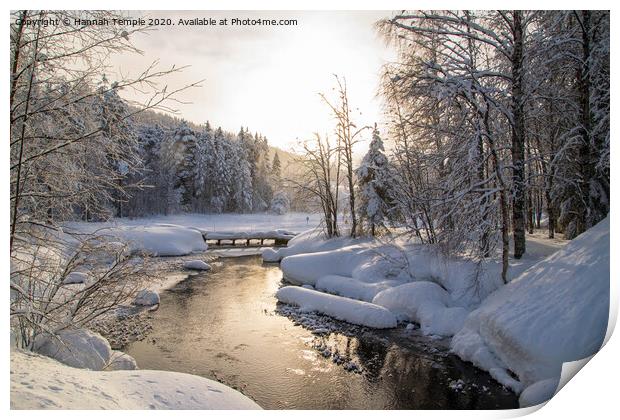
(268, 78)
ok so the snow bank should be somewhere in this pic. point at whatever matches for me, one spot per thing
(146, 298)
(555, 312)
(79, 348)
(196, 265)
(427, 304)
(158, 239)
(344, 309)
(38, 382)
(352, 288)
(308, 268)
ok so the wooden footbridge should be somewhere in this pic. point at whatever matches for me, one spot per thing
(277, 238)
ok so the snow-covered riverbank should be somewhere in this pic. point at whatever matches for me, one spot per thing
(554, 309)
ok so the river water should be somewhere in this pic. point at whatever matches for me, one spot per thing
(227, 325)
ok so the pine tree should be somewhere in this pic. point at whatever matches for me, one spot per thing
(221, 181)
(373, 179)
(276, 167)
(185, 146)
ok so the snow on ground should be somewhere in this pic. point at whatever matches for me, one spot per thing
(309, 241)
(364, 269)
(344, 309)
(159, 239)
(121, 361)
(182, 234)
(38, 382)
(554, 312)
(295, 222)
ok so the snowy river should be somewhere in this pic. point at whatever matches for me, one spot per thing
(227, 325)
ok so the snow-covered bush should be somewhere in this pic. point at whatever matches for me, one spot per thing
(60, 282)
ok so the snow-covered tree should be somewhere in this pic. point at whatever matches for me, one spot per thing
(185, 148)
(280, 203)
(276, 167)
(222, 176)
(373, 177)
(242, 198)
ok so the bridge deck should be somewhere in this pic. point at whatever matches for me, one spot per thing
(248, 239)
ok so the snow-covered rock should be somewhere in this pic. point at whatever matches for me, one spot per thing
(405, 300)
(308, 268)
(555, 312)
(146, 298)
(158, 239)
(352, 288)
(75, 277)
(344, 309)
(196, 265)
(79, 348)
(427, 304)
(38, 382)
(538, 392)
(121, 361)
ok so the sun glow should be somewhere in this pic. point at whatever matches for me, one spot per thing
(268, 77)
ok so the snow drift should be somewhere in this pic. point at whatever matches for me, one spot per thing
(555, 312)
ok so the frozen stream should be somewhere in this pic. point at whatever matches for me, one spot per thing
(227, 325)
